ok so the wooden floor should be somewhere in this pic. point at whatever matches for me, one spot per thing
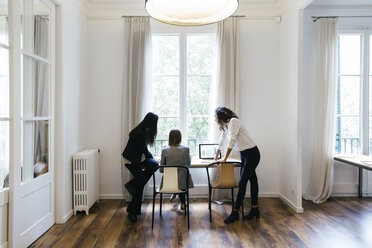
(340, 222)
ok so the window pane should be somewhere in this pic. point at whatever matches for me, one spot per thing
(35, 27)
(199, 95)
(35, 87)
(349, 95)
(4, 153)
(349, 54)
(164, 127)
(200, 55)
(348, 142)
(4, 22)
(35, 149)
(4, 82)
(165, 92)
(165, 55)
(370, 134)
(198, 128)
(370, 56)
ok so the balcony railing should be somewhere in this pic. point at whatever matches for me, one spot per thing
(191, 143)
(349, 145)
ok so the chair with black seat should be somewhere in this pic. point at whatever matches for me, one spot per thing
(170, 186)
(226, 180)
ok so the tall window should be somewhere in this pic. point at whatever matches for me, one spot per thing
(354, 105)
(4, 93)
(182, 75)
(370, 94)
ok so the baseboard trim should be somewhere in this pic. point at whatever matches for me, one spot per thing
(289, 203)
(4, 245)
(65, 218)
(111, 196)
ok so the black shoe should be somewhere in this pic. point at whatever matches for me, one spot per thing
(234, 216)
(130, 188)
(254, 213)
(132, 218)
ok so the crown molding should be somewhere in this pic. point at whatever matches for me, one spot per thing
(111, 8)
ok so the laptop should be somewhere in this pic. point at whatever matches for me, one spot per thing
(208, 151)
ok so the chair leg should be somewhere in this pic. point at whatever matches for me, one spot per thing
(188, 210)
(232, 199)
(210, 204)
(161, 201)
(153, 210)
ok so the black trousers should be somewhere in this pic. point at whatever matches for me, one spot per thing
(142, 172)
(250, 159)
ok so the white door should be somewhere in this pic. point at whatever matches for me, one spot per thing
(32, 27)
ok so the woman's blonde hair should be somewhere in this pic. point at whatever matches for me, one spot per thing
(175, 137)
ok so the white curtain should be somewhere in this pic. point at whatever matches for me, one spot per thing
(321, 179)
(226, 90)
(41, 88)
(136, 85)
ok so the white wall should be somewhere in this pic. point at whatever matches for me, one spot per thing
(105, 76)
(259, 41)
(290, 147)
(345, 176)
(71, 101)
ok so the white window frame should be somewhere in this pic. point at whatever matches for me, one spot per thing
(159, 29)
(364, 86)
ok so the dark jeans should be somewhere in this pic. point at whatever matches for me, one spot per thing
(250, 159)
(142, 172)
(182, 198)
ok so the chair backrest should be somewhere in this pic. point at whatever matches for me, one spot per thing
(226, 178)
(170, 179)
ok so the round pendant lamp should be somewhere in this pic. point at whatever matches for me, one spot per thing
(190, 12)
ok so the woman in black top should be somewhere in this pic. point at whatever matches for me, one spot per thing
(139, 161)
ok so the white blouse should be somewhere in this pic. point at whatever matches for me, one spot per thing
(236, 136)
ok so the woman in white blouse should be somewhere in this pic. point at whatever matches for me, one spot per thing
(237, 137)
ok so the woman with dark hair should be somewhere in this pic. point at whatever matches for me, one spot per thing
(176, 154)
(237, 137)
(139, 161)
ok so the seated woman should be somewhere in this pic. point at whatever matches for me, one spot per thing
(175, 154)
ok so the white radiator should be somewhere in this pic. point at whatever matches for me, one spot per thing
(85, 182)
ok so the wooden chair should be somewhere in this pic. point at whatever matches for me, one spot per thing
(225, 181)
(170, 186)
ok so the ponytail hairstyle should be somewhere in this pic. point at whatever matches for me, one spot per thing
(150, 125)
(224, 115)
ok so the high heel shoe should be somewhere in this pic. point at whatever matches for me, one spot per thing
(234, 216)
(254, 213)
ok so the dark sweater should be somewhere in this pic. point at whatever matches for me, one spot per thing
(136, 146)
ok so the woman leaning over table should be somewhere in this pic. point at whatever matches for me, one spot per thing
(237, 137)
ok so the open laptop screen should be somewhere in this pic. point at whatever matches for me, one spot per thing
(208, 151)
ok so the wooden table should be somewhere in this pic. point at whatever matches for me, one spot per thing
(363, 162)
(202, 163)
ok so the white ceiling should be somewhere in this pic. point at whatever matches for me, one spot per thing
(142, 1)
(342, 2)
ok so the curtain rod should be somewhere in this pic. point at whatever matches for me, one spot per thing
(127, 16)
(320, 17)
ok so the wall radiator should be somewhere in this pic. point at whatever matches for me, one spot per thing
(85, 182)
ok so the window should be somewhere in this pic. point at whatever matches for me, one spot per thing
(354, 105)
(182, 76)
(4, 93)
(370, 94)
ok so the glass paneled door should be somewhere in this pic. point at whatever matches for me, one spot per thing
(32, 129)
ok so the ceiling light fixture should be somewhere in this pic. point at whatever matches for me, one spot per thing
(190, 12)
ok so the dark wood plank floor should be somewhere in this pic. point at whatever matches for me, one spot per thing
(340, 222)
